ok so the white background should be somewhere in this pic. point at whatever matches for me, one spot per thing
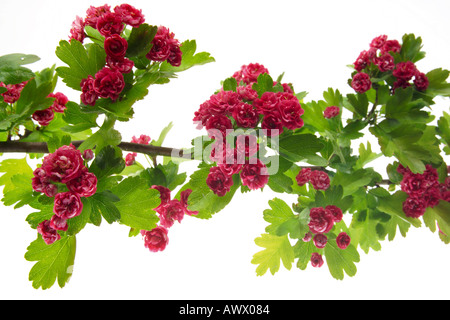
(312, 42)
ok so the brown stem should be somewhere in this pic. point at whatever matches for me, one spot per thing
(41, 147)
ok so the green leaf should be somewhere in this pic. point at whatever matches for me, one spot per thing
(15, 74)
(102, 205)
(411, 47)
(351, 182)
(357, 103)
(230, 84)
(33, 98)
(164, 175)
(17, 59)
(189, 58)
(366, 155)
(81, 62)
(136, 204)
(438, 215)
(283, 221)
(279, 182)
(54, 261)
(437, 83)
(276, 249)
(339, 260)
(264, 84)
(22, 192)
(298, 146)
(392, 205)
(78, 121)
(12, 167)
(162, 135)
(107, 162)
(140, 40)
(313, 116)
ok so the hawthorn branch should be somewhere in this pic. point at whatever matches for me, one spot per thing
(153, 151)
(41, 147)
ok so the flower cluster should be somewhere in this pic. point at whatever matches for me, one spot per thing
(44, 117)
(424, 190)
(65, 166)
(109, 81)
(321, 221)
(165, 48)
(243, 109)
(130, 158)
(13, 91)
(319, 179)
(169, 211)
(381, 54)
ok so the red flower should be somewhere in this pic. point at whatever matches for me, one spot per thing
(109, 83)
(59, 105)
(65, 164)
(319, 180)
(165, 47)
(116, 47)
(290, 111)
(13, 91)
(320, 240)
(124, 65)
(219, 182)
(171, 211)
(303, 176)
(378, 42)
(421, 81)
(405, 70)
(156, 239)
(130, 159)
(85, 185)
(316, 260)
(245, 115)
(49, 234)
(343, 240)
(414, 207)
(361, 82)
(130, 15)
(321, 220)
(67, 205)
(249, 73)
(110, 23)
(58, 223)
(89, 96)
(391, 46)
(331, 112)
(43, 117)
(255, 176)
(217, 126)
(94, 13)
(272, 124)
(41, 183)
(385, 62)
(77, 30)
(184, 195)
(336, 212)
(362, 61)
(246, 146)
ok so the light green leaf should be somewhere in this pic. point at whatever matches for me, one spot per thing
(340, 260)
(189, 58)
(136, 204)
(276, 249)
(54, 261)
(283, 221)
(366, 155)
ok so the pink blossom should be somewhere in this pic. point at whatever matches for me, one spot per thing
(255, 176)
(58, 223)
(77, 30)
(170, 212)
(331, 112)
(65, 164)
(116, 47)
(110, 23)
(85, 185)
(316, 260)
(41, 183)
(319, 180)
(320, 240)
(49, 234)
(343, 240)
(43, 117)
(303, 176)
(219, 182)
(130, 15)
(93, 13)
(335, 211)
(361, 82)
(245, 115)
(59, 105)
(156, 239)
(89, 96)
(321, 220)
(67, 205)
(405, 70)
(421, 81)
(109, 83)
(378, 42)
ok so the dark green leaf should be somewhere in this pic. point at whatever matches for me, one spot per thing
(140, 40)
(297, 147)
(107, 162)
